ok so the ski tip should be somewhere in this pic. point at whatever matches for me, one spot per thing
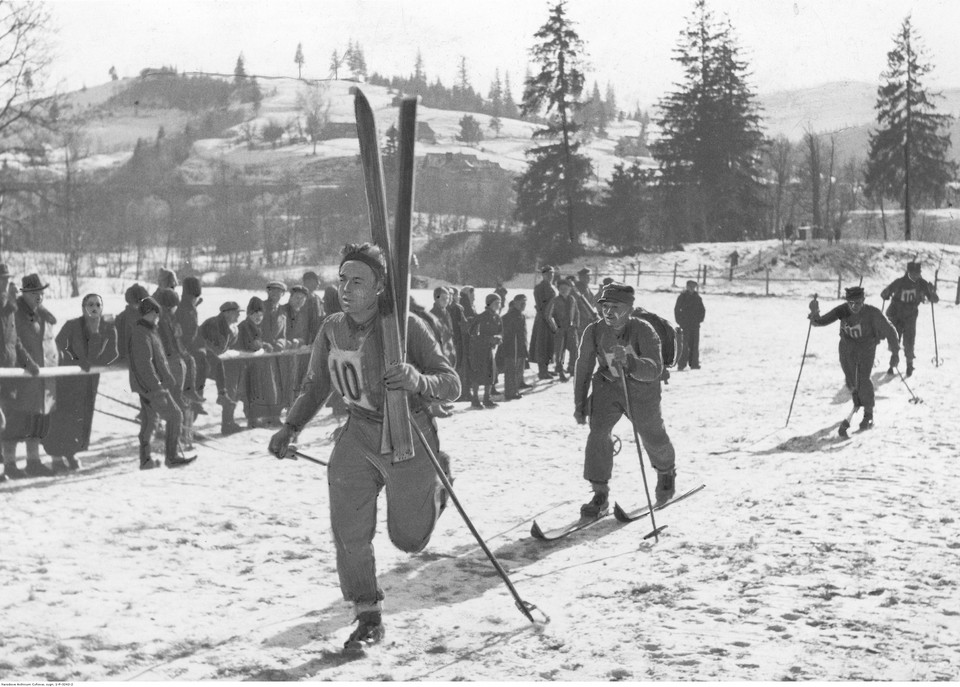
(619, 513)
(535, 531)
(356, 92)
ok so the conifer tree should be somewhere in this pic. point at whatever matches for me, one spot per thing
(298, 59)
(710, 140)
(239, 71)
(552, 194)
(510, 108)
(908, 152)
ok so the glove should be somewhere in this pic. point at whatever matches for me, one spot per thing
(894, 359)
(402, 376)
(815, 307)
(280, 442)
(580, 417)
(32, 368)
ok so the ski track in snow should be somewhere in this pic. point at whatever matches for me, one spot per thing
(806, 557)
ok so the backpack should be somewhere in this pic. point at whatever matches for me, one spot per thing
(671, 335)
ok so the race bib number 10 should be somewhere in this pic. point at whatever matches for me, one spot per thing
(346, 373)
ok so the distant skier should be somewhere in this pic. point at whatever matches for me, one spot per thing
(906, 294)
(348, 359)
(689, 313)
(614, 342)
(862, 327)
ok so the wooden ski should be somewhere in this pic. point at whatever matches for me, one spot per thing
(397, 436)
(407, 136)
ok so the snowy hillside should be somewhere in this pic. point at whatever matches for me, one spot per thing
(805, 557)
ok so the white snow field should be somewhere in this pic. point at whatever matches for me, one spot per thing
(805, 557)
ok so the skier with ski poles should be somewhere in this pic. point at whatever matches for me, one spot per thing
(620, 341)
(348, 358)
(862, 327)
(906, 294)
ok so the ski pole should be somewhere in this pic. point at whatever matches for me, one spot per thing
(802, 361)
(293, 453)
(117, 400)
(525, 607)
(914, 398)
(119, 417)
(643, 471)
(936, 349)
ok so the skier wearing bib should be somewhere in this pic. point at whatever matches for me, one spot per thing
(906, 294)
(348, 358)
(862, 327)
(614, 342)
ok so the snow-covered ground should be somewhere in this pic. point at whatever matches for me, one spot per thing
(804, 558)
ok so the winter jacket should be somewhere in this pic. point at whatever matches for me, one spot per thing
(562, 313)
(78, 346)
(907, 295)
(124, 323)
(689, 311)
(217, 334)
(274, 325)
(249, 337)
(189, 322)
(149, 371)
(486, 332)
(35, 331)
(297, 323)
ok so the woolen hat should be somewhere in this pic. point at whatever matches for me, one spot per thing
(191, 286)
(229, 305)
(854, 293)
(583, 270)
(277, 285)
(168, 298)
(32, 282)
(691, 282)
(310, 275)
(298, 288)
(255, 305)
(148, 305)
(167, 279)
(135, 294)
(491, 297)
(607, 280)
(4, 272)
(616, 293)
(913, 267)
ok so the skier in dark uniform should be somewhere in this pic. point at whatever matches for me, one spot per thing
(615, 342)
(862, 327)
(348, 358)
(906, 294)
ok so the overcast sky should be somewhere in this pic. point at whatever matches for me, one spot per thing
(788, 43)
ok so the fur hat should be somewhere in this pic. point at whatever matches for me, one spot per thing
(913, 268)
(148, 305)
(854, 293)
(135, 294)
(167, 298)
(167, 279)
(191, 286)
(616, 293)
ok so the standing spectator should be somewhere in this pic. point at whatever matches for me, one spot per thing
(274, 325)
(219, 334)
(179, 360)
(150, 377)
(501, 291)
(436, 407)
(906, 294)
(166, 279)
(461, 342)
(87, 341)
(29, 419)
(862, 327)
(189, 321)
(541, 341)
(614, 345)
(294, 365)
(358, 470)
(563, 318)
(467, 299)
(689, 313)
(513, 350)
(125, 321)
(441, 299)
(314, 305)
(12, 354)
(586, 299)
(258, 380)
(486, 334)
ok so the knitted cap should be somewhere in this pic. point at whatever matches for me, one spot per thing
(148, 305)
(135, 294)
(191, 286)
(167, 298)
(167, 279)
(491, 298)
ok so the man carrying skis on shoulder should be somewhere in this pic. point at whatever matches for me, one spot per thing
(620, 342)
(906, 294)
(862, 327)
(348, 358)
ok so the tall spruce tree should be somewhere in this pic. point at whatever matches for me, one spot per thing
(298, 59)
(510, 108)
(552, 193)
(908, 151)
(711, 140)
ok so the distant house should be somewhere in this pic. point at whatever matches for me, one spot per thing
(461, 184)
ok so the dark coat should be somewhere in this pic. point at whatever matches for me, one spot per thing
(274, 326)
(189, 321)
(124, 324)
(216, 334)
(486, 332)
(35, 332)
(77, 346)
(689, 311)
(149, 371)
(541, 340)
(297, 323)
(514, 336)
(258, 385)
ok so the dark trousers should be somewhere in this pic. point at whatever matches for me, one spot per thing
(690, 355)
(160, 405)
(512, 376)
(856, 361)
(906, 326)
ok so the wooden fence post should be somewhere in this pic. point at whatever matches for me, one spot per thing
(730, 278)
(839, 283)
(638, 275)
(675, 277)
(704, 282)
(624, 280)
(768, 281)
(957, 301)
